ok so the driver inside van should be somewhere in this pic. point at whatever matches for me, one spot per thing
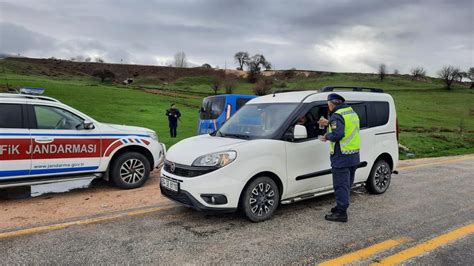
(310, 126)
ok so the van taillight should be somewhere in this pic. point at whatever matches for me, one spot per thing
(398, 131)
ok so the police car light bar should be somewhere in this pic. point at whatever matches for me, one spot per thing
(32, 91)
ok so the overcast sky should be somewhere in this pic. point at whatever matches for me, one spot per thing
(337, 35)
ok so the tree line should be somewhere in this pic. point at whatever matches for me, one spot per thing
(449, 74)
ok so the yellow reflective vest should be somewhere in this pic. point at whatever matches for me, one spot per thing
(350, 143)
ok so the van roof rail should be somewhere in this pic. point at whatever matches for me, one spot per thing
(354, 88)
(288, 90)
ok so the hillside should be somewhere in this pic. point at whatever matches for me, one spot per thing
(433, 121)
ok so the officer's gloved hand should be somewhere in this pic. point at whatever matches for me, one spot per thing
(322, 138)
(323, 121)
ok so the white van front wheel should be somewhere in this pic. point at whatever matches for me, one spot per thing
(380, 177)
(260, 199)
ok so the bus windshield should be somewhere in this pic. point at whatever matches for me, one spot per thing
(257, 120)
(212, 107)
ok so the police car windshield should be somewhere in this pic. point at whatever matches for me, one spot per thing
(257, 120)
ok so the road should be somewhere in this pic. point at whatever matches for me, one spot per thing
(426, 217)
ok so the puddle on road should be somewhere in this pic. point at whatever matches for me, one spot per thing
(60, 187)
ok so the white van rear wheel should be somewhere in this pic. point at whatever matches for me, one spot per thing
(380, 177)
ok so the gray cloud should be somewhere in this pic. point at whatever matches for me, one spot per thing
(322, 35)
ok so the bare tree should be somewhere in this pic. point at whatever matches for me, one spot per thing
(461, 75)
(448, 74)
(216, 84)
(418, 72)
(470, 75)
(396, 72)
(99, 60)
(180, 60)
(382, 71)
(255, 65)
(241, 58)
(88, 59)
(206, 65)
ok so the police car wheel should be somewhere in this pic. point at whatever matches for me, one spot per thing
(260, 199)
(130, 170)
(380, 177)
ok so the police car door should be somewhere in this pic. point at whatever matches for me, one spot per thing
(60, 145)
(308, 164)
(15, 141)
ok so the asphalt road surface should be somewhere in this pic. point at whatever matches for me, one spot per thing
(426, 217)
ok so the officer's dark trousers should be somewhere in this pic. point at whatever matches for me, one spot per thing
(173, 130)
(342, 179)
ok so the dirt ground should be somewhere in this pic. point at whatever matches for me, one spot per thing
(100, 199)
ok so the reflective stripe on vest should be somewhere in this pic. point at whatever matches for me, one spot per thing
(350, 143)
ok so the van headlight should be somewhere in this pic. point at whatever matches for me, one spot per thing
(218, 159)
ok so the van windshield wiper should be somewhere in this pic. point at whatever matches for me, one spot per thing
(235, 136)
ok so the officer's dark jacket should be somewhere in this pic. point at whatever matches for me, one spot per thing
(173, 115)
(339, 160)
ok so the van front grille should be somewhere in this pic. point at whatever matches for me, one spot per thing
(186, 171)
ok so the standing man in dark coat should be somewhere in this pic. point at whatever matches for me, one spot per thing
(173, 115)
(343, 134)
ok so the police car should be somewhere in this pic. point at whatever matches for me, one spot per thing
(43, 141)
(262, 156)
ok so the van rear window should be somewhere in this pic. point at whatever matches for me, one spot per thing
(11, 116)
(378, 113)
(372, 114)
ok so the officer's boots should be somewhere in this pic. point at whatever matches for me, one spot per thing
(336, 216)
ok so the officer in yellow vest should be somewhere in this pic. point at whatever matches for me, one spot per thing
(343, 134)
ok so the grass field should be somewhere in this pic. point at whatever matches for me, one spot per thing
(434, 121)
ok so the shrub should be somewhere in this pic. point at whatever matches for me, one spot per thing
(281, 85)
(262, 87)
(418, 73)
(104, 74)
(229, 85)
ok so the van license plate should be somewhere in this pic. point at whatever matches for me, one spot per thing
(169, 184)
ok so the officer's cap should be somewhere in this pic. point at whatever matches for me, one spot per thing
(335, 96)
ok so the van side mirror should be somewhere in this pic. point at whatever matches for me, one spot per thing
(300, 132)
(88, 125)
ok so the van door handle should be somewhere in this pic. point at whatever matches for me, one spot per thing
(44, 140)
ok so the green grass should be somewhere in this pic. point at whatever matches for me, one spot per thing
(430, 116)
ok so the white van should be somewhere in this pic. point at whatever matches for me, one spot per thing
(261, 157)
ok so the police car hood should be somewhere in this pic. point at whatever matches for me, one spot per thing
(126, 129)
(188, 150)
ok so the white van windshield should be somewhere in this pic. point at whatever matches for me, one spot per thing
(257, 120)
